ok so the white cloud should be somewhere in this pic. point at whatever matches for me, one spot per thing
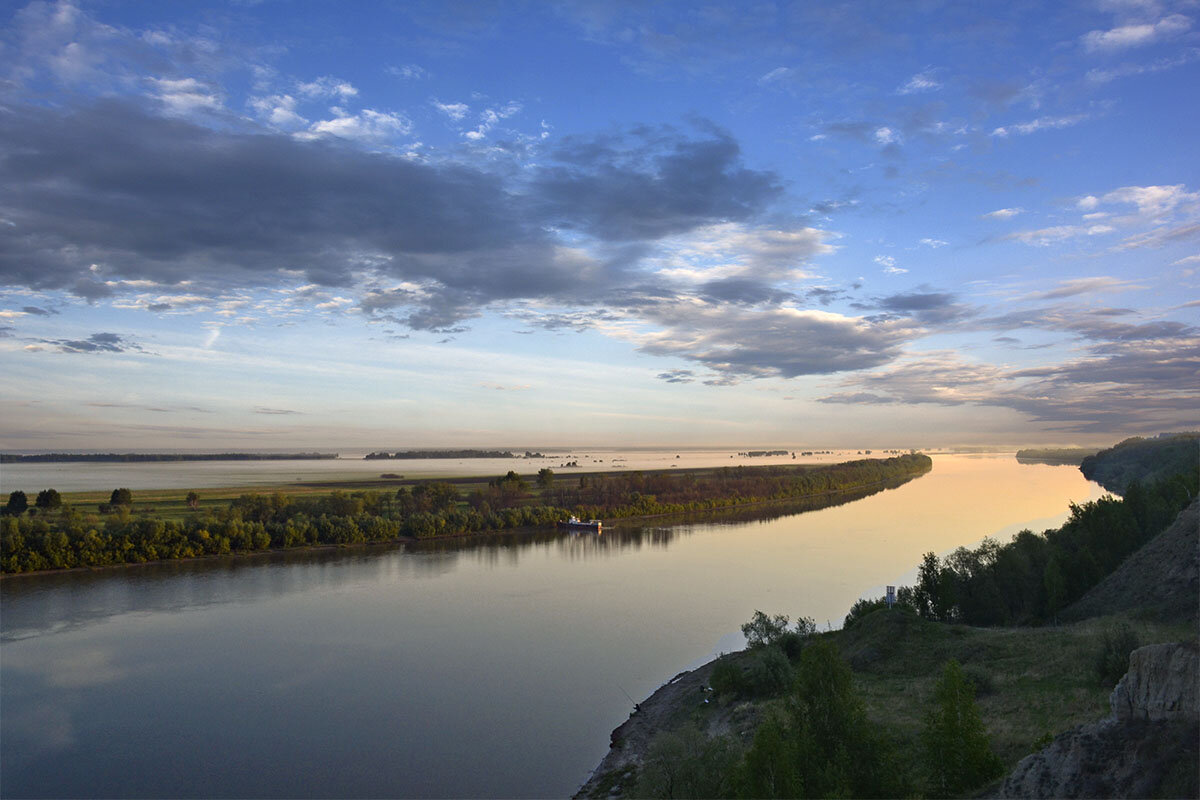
(489, 118)
(889, 265)
(1088, 203)
(279, 110)
(1186, 260)
(1003, 213)
(934, 243)
(921, 82)
(454, 111)
(1125, 70)
(1127, 36)
(327, 87)
(1152, 200)
(1040, 124)
(885, 135)
(185, 95)
(408, 72)
(774, 75)
(368, 125)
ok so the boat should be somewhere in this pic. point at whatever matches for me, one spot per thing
(576, 524)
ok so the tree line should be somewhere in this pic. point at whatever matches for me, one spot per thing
(61, 536)
(1034, 576)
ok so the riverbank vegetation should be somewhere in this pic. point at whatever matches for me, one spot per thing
(70, 536)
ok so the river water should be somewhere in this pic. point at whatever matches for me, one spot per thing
(484, 668)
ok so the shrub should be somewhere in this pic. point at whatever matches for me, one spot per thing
(1112, 661)
(727, 679)
(769, 673)
(686, 763)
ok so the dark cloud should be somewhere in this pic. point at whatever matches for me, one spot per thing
(6, 331)
(743, 291)
(677, 376)
(858, 398)
(931, 308)
(38, 312)
(109, 194)
(651, 184)
(274, 411)
(96, 343)
(824, 296)
(756, 343)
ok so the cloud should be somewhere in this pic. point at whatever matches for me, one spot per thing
(885, 135)
(921, 82)
(777, 74)
(274, 411)
(186, 95)
(327, 87)
(1136, 35)
(1099, 75)
(454, 111)
(1040, 124)
(96, 343)
(651, 184)
(367, 125)
(38, 312)
(408, 72)
(1003, 213)
(785, 342)
(934, 243)
(1078, 286)
(489, 119)
(931, 308)
(677, 376)
(1152, 200)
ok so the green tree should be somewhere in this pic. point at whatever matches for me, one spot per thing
(824, 745)
(17, 503)
(193, 500)
(957, 755)
(763, 630)
(686, 763)
(48, 498)
(121, 497)
(545, 477)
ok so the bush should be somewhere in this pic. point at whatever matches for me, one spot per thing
(727, 679)
(121, 497)
(686, 763)
(1113, 659)
(770, 673)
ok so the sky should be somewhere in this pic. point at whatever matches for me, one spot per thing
(280, 225)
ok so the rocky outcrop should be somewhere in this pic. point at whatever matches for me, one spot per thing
(1148, 747)
(1161, 684)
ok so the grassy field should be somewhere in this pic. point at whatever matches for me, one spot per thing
(1030, 681)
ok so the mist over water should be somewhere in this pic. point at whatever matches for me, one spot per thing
(488, 667)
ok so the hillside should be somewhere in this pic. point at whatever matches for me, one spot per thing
(1161, 581)
(1144, 460)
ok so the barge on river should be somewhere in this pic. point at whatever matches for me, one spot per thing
(576, 524)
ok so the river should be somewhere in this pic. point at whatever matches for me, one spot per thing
(474, 668)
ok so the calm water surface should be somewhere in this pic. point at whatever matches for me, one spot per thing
(462, 669)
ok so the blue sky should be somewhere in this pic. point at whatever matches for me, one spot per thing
(279, 225)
